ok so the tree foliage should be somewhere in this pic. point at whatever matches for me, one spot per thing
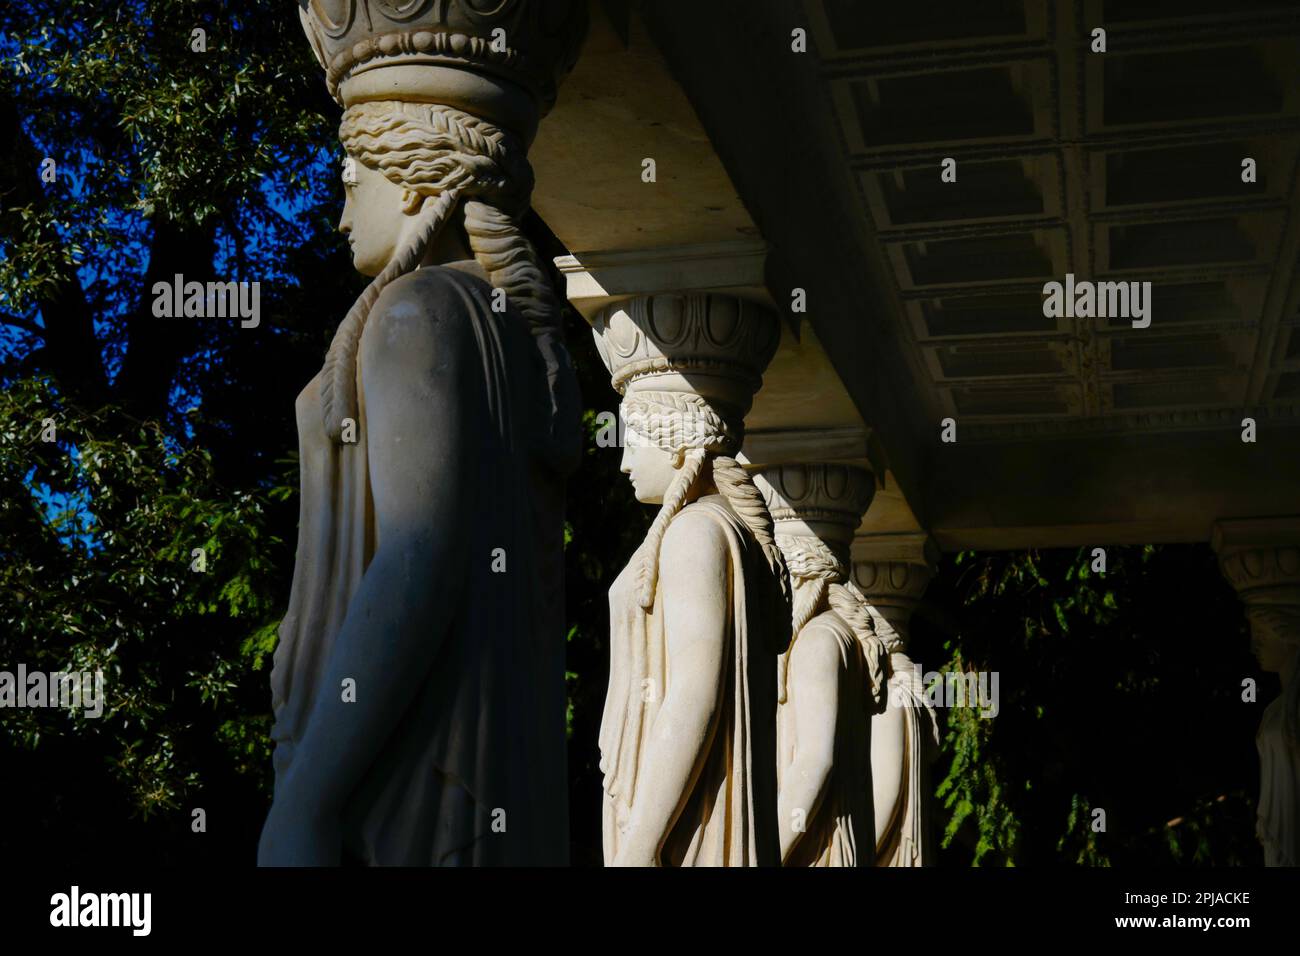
(1120, 691)
(122, 554)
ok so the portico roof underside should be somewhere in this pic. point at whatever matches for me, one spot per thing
(925, 298)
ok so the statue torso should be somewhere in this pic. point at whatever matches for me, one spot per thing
(490, 714)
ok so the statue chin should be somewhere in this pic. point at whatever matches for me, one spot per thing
(367, 267)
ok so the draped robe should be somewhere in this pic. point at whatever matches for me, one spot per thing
(474, 772)
(904, 841)
(728, 818)
(839, 831)
(1278, 820)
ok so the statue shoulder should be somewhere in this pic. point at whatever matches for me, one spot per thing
(433, 291)
(428, 311)
(825, 637)
(698, 524)
(695, 541)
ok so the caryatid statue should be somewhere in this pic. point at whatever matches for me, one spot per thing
(418, 687)
(893, 571)
(834, 676)
(701, 612)
(1267, 579)
(1275, 633)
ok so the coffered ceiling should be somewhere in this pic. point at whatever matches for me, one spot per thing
(926, 297)
(1117, 166)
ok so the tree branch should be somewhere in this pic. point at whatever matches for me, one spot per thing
(25, 324)
(73, 351)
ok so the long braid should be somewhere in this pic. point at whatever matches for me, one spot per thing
(339, 384)
(748, 504)
(851, 604)
(809, 602)
(446, 156)
(674, 499)
(825, 572)
(688, 426)
(511, 264)
(815, 565)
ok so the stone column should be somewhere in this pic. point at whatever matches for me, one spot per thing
(1261, 559)
(893, 570)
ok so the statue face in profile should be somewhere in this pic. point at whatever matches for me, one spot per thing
(650, 468)
(377, 215)
(1266, 628)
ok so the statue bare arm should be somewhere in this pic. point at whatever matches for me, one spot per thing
(695, 581)
(814, 688)
(415, 369)
(888, 759)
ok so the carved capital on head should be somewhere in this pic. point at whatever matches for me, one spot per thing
(816, 498)
(713, 345)
(502, 60)
(1260, 557)
(1266, 575)
(893, 571)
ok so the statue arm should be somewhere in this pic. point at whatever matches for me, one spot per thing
(694, 581)
(415, 370)
(888, 761)
(814, 686)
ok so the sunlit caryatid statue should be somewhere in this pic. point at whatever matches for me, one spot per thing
(418, 687)
(892, 571)
(833, 677)
(700, 613)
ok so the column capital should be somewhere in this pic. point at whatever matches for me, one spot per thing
(713, 345)
(821, 499)
(1260, 557)
(893, 571)
(594, 280)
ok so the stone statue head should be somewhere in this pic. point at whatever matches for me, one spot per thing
(688, 367)
(415, 170)
(1275, 635)
(441, 99)
(409, 169)
(815, 508)
(378, 216)
(668, 438)
(650, 468)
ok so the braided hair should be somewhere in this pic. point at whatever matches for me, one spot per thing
(446, 156)
(824, 570)
(697, 432)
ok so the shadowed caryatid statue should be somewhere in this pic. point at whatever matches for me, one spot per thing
(700, 613)
(1275, 637)
(418, 686)
(1275, 634)
(833, 677)
(1261, 560)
